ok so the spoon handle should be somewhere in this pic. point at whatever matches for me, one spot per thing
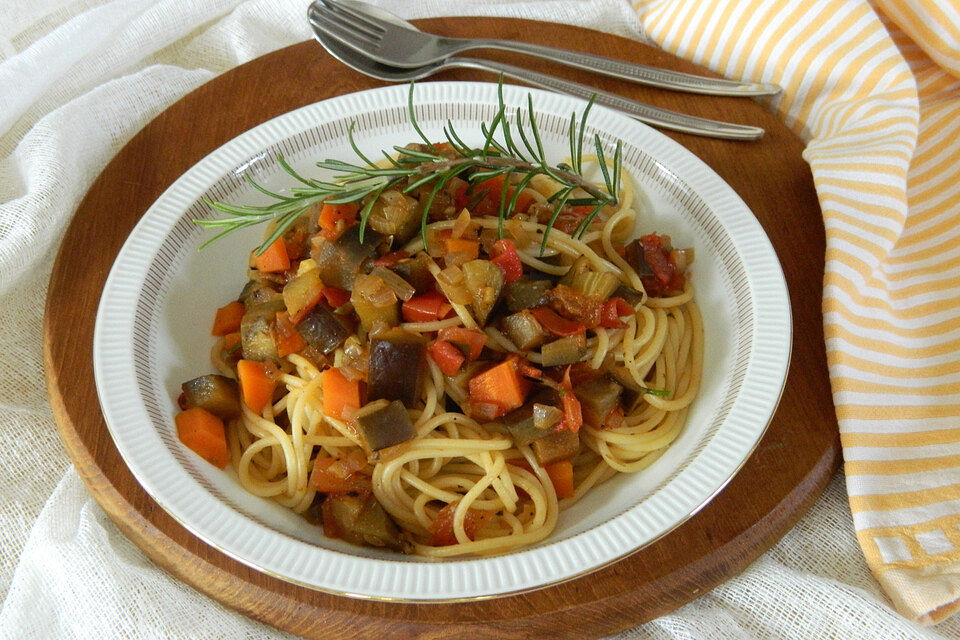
(643, 112)
(639, 73)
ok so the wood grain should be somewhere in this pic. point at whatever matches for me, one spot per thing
(781, 480)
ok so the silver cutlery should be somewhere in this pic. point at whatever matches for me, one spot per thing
(386, 39)
(326, 33)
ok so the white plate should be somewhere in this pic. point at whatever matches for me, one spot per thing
(152, 334)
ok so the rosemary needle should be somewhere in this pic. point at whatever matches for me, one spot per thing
(432, 167)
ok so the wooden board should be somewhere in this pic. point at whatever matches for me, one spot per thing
(781, 480)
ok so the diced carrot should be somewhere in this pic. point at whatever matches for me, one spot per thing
(256, 384)
(203, 433)
(561, 475)
(471, 341)
(286, 336)
(447, 357)
(458, 245)
(274, 259)
(572, 412)
(527, 370)
(231, 340)
(501, 384)
(441, 529)
(335, 297)
(560, 472)
(339, 394)
(555, 324)
(335, 475)
(425, 307)
(228, 319)
(337, 218)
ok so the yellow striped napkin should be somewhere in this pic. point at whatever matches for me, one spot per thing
(874, 90)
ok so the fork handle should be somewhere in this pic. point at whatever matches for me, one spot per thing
(640, 73)
(643, 112)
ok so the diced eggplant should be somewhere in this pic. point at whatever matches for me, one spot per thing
(527, 294)
(340, 261)
(323, 330)
(596, 284)
(555, 446)
(395, 370)
(394, 214)
(256, 333)
(634, 257)
(374, 302)
(362, 520)
(580, 266)
(524, 330)
(256, 293)
(632, 392)
(217, 394)
(564, 350)
(484, 281)
(302, 291)
(521, 422)
(384, 424)
(415, 271)
(597, 399)
(630, 295)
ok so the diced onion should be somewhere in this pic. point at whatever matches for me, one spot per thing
(375, 291)
(682, 258)
(461, 224)
(516, 228)
(546, 416)
(403, 289)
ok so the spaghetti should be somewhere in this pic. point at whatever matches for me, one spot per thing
(536, 375)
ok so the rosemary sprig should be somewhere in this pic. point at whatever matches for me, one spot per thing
(430, 166)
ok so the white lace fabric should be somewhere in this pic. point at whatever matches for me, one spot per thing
(78, 78)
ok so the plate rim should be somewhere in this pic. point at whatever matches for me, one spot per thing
(438, 88)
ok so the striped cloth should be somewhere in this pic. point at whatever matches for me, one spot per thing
(874, 90)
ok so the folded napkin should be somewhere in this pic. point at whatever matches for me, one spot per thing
(875, 92)
(872, 89)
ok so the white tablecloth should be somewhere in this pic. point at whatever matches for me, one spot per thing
(78, 78)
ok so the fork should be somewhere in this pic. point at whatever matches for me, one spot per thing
(387, 39)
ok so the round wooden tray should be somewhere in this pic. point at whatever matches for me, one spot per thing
(780, 481)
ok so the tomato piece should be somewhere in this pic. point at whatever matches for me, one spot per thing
(335, 475)
(441, 529)
(425, 307)
(447, 357)
(613, 310)
(666, 278)
(470, 341)
(335, 297)
(391, 259)
(555, 324)
(506, 257)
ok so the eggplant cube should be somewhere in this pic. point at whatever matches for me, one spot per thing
(395, 370)
(384, 424)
